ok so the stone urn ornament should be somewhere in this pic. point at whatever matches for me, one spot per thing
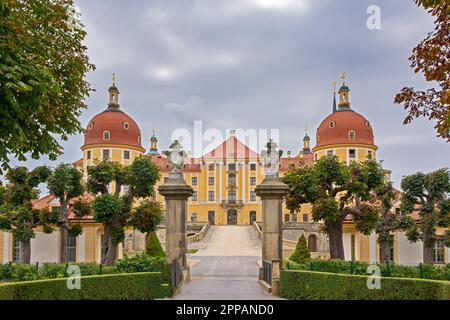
(176, 156)
(271, 158)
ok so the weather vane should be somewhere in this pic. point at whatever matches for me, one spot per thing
(334, 86)
(343, 78)
(114, 79)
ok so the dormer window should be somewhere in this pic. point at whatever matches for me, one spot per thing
(91, 125)
(368, 124)
(351, 135)
(318, 138)
(332, 124)
(106, 135)
(126, 125)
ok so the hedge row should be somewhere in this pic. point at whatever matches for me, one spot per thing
(311, 285)
(131, 286)
(29, 272)
(423, 271)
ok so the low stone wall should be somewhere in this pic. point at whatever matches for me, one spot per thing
(198, 236)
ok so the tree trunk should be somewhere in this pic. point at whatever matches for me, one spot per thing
(385, 251)
(334, 230)
(428, 254)
(109, 250)
(26, 251)
(63, 231)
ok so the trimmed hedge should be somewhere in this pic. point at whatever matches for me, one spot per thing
(311, 285)
(423, 271)
(132, 286)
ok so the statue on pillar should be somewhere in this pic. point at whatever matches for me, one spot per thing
(271, 158)
(176, 156)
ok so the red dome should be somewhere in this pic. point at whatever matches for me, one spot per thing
(121, 127)
(337, 128)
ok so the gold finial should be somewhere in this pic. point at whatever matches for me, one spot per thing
(343, 77)
(334, 87)
(114, 79)
(306, 129)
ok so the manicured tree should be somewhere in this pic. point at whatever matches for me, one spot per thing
(146, 217)
(66, 184)
(301, 253)
(430, 58)
(43, 85)
(153, 247)
(336, 191)
(389, 221)
(17, 214)
(115, 210)
(428, 194)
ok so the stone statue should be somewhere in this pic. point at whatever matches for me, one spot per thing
(176, 156)
(271, 158)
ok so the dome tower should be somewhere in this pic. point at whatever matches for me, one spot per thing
(345, 133)
(112, 134)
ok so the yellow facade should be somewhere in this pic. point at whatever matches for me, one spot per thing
(344, 152)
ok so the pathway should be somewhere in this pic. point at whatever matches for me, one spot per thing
(226, 266)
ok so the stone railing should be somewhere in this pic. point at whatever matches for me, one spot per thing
(258, 228)
(198, 236)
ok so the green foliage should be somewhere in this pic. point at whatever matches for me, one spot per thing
(141, 263)
(146, 216)
(142, 176)
(101, 175)
(133, 286)
(301, 253)
(425, 271)
(310, 285)
(42, 71)
(107, 206)
(66, 182)
(153, 247)
(16, 210)
(427, 193)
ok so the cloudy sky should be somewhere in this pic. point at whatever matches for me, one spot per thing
(262, 64)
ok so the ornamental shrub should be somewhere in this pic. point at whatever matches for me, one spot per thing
(154, 248)
(301, 253)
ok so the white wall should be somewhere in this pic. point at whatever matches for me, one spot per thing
(373, 242)
(6, 247)
(81, 248)
(44, 247)
(408, 253)
(347, 246)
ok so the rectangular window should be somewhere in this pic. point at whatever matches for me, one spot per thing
(211, 167)
(211, 195)
(330, 153)
(352, 154)
(126, 155)
(252, 181)
(353, 246)
(165, 179)
(252, 166)
(17, 251)
(252, 196)
(194, 181)
(194, 196)
(232, 179)
(88, 155)
(71, 249)
(439, 251)
(231, 196)
(369, 154)
(305, 217)
(194, 217)
(232, 167)
(210, 181)
(105, 154)
(294, 217)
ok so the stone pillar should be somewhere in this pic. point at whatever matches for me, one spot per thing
(271, 192)
(176, 192)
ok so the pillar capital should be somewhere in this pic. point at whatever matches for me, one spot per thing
(272, 188)
(175, 187)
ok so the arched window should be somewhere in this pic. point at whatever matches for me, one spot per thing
(351, 135)
(126, 125)
(106, 135)
(312, 243)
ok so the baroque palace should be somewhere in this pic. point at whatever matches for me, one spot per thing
(224, 181)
